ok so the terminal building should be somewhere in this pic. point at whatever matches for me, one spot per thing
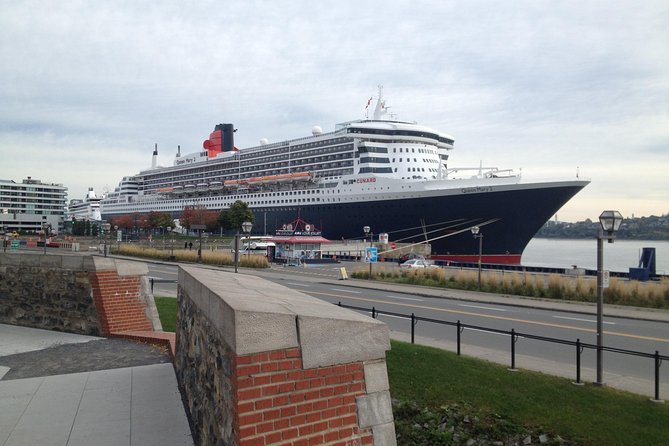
(27, 206)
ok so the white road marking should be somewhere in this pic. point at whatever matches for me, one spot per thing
(390, 315)
(594, 321)
(483, 308)
(506, 335)
(405, 298)
(298, 284)
(342, 290)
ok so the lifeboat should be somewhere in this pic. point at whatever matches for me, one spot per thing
(189, 188)
(202, 187)
(165, 190)
(235, 183)
(177, 190)
(215, 185)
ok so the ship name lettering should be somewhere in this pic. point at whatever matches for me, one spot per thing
(184, 161)
(366, 180)
(468, 190)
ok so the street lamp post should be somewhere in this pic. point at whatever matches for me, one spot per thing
(610, 222)
(105, 227)
(476, 232)
(45, 227)
(236, 249)
(118, 240)
(246, 229)
(169, 233)
(367, 231)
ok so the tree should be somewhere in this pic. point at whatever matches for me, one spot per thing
(237, 214)
(125, 222)
(199, 215)
(159, 220)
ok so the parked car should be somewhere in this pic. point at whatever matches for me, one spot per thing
(417, 263)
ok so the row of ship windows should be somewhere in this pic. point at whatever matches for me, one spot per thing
(331, 169)
(413, 150)
(255, 202)
(386, 161)
(233, 167)
(414, 133)
(296, 153)
(370, 149)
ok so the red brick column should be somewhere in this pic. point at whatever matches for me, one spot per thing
(118, 302)
(279, 402)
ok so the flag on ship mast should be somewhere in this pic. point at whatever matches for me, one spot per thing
(368, 102)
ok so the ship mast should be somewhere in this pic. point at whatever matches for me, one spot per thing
(380, 108)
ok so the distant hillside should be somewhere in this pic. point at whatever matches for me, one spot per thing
(642, 228)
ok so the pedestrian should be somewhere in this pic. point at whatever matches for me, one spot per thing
(190, 245)
(185, 245)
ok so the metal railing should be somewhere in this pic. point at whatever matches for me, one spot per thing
(514, 335)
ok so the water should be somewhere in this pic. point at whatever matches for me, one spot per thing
(618, 256)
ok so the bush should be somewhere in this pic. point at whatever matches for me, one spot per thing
(219, 258)
(552, 286)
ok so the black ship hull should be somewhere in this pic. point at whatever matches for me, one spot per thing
(508, 219)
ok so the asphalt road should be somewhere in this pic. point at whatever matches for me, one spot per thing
(619, 332)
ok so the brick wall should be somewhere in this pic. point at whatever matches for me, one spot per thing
(119, 302)
(260, 364)
(80, 294)
(279, 402)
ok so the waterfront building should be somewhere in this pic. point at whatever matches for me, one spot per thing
(28, 205)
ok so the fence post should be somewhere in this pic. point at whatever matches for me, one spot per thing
(459, 331)
(513, 350)
(658, 362)
(579, 350)
(413, 324)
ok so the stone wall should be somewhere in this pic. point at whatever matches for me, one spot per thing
(262, 364)
(75, 293)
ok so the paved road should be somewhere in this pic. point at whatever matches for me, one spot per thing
(567, 322)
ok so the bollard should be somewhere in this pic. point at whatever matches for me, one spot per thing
(459, 331)
(513, 349)
(578, 361)
(658, 362)
(413, 324)
(373, 313)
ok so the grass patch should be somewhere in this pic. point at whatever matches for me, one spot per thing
(447, 399)
(167, 310)
(433, 379)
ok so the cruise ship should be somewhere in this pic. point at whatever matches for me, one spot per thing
(391, 175)
(86, 209)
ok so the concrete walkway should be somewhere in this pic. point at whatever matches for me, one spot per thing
(138, 405)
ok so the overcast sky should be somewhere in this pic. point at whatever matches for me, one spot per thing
(87, 88)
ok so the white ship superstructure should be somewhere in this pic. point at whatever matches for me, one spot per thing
(86, 209)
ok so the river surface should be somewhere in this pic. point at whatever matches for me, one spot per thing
(618, 256)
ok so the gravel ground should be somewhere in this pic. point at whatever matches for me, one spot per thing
(101, 354)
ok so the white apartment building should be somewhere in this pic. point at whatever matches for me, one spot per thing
(28, 205)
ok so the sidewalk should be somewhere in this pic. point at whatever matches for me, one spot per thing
(65, 389)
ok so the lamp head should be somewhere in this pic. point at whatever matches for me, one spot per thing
(366, 229)
(247, 226)
(610, 221)
(475, 230)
